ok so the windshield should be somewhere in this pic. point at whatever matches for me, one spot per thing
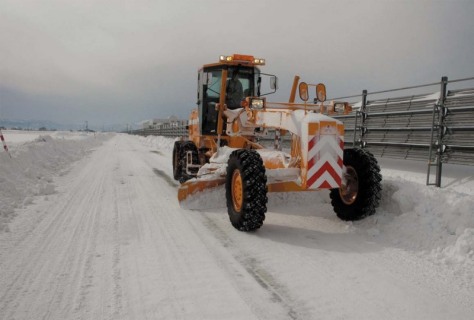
(241, 82)
(245, 76)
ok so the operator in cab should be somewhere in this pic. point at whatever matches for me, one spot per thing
(235, 92)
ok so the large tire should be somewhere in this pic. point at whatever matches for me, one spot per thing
(183, 175)
(177, 165)
(360, 195)
(246, 190)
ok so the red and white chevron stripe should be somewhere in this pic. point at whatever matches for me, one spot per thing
(325, 154)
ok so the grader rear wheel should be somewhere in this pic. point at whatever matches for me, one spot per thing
(187, 173)
(348, 191)
(246, 190)
(360, 193)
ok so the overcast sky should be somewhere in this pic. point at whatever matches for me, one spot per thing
(105, 62)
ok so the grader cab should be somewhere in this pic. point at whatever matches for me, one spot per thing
(223, 145)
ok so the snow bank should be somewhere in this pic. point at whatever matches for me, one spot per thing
(161, 143)
(36, 160)
(16, 137)
(436, 222)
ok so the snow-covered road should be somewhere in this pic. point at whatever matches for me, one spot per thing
(112, 242)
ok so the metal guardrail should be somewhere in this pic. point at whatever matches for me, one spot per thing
(437, 128)
(458, 139)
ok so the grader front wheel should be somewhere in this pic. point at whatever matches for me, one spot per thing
(246, 190)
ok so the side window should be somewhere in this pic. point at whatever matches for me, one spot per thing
(246, 87)
(211, 86)
(199, 91)
(212, 80)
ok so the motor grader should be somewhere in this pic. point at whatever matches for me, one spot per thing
(224, 145)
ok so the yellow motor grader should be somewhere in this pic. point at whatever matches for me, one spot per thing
(223, 145)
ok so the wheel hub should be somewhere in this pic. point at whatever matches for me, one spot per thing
(350, 186)
(237, 190)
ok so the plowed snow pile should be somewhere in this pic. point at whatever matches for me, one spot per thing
(37, 157)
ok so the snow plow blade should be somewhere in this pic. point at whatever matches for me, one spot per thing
(194, 186)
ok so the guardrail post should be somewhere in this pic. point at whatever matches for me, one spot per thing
(438, 124)
(363, 112)
(441, 130)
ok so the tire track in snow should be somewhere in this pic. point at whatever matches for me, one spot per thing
(117, 289)
(88, 274)
(116, 268)
(81, 249)
(166, 177)
(276, 291)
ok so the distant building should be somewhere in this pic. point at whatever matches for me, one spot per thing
(155, 123)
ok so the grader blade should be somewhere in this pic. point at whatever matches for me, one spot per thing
(194, 186)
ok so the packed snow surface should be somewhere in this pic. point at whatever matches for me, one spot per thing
(90, 228)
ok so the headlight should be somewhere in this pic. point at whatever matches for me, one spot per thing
(339, 107)
(257, 104)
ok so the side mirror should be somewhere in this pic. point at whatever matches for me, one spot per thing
(303, 91)
(274, 83)
(321, 92)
